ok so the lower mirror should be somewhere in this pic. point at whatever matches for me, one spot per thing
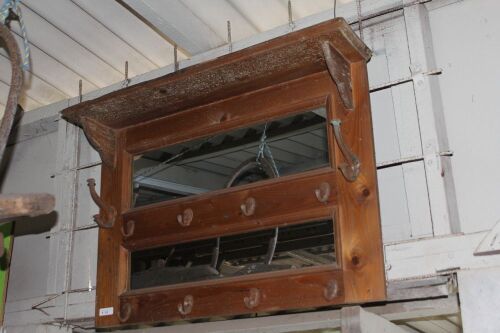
(281, 248)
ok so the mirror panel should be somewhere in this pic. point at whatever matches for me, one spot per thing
(282, 248)
(277, 148)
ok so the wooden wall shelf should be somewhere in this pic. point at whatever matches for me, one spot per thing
(321, 70)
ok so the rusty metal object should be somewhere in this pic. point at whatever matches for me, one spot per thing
(107, 218)
(331, 290)
(251, 164)
(16, 83)
(128, 229)
(351, 169)
(125, 312)
(186, 306)
(248, 207)
(323, 192)
(253, 299)
(186, 217)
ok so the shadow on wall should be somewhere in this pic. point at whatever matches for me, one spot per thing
(23, 225)
(34, 225)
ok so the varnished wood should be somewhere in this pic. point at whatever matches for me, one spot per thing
(227, 297)
(102, 138)
(359, 215)
(340, 71)
(269, 81)
(289, 200)
(267, 104)
(279, 60)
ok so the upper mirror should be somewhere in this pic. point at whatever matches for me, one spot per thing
(277, 148)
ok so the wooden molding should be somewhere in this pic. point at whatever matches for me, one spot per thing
(102, 138)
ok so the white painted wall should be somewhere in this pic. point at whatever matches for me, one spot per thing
(30, 170)
(466, 39)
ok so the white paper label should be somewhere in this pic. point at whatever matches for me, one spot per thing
(105, 312)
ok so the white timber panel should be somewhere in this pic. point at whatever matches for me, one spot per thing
(25, 101)
(88, 156)
(176, 21)
(436, 256)
(216, 13)
(263, 14)
(54, 72)
(86, 208)
(61, 47)
(27, 168)
(83, 273)
(480, 300)
(131, 29)
(34, 87)
(92, 35)
(467, 39)
(403, 192)
(433, 135)
(393, 205)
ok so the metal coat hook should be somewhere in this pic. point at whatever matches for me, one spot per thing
(107, 219)
(271, 248)
(351, 169)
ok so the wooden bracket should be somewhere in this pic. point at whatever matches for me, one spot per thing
(108, 213)
(340, 71)
(102, 138)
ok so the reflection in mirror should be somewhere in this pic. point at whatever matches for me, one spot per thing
(278, 148)
(290, 247)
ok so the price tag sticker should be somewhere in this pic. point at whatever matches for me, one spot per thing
(105, 312)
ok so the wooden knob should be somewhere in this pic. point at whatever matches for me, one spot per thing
(253, 299)
(248, 207)
(331, 290)
(186, 217)
(323, 192)
(186, 306)
(128, 229)
(125, 312)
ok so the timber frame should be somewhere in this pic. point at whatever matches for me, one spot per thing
(321, 66)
